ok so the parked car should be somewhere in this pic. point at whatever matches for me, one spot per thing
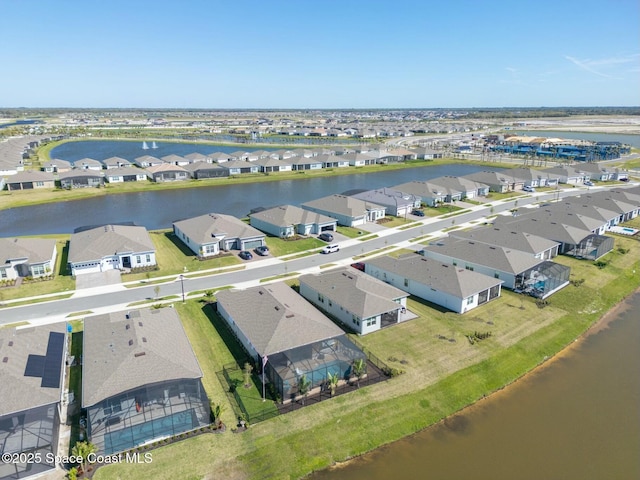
(588, 183)
(245, 255)
(358, 266)
(528, 188)
(330, 249)
(417, 213)
(325, 236)
(262, 251)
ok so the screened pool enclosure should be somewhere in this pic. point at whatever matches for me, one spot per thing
(315, 361)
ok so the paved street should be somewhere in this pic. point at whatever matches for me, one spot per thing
(118, 297)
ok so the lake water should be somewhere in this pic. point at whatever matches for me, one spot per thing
(576, 418)
(130, 150)
(159, 209)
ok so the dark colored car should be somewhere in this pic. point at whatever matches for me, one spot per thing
(358, 266)
(327, 237)
(245, 255)
(417, 213)
(262, 251)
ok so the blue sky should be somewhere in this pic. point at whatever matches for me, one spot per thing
(319, 54)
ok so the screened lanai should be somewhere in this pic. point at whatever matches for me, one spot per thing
(316, 361)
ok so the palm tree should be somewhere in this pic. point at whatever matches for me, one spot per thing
(303, 387)
(332, 380)
(217, 410)
(82, 450)
(359, 368)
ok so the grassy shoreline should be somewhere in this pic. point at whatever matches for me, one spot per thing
(322, 435)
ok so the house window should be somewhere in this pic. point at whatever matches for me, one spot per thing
(148, 258)
(496, 275)
(455, 263)
(3, 273)
(406, 282)
(39, 184)
(138, 259)
(37, 270)
(469, 300)
(320, 298)
(330, 303)
(469, 267)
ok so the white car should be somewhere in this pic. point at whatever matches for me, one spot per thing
(330, 249)
(527, 188)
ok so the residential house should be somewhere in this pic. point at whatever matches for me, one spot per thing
(57, 166)
(520, 271)
(268, 165)
(396, 203)
(528, 177)
(431, 194)
(496, 181)
(459, 185)
(287, 220)
(305, 163)
(282, 331)
(348, 211)
(88, 164)
(141, 380)
(27, 257)
(174, 159)
(359, 159)
(109, 247)
(454, 288)
(168, 172)
(333, 161)
(32, 375)
(116, 162)
(200, 170)
(125, 174)
(237, 167)
(427, 153)
(146, 161)
(198, 158)
(30, 179)
(568, 175)
(220, 157)
(208, 235)
(358, 301)
(535, 245)
(81, 179)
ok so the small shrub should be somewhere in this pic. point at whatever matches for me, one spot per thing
(577, 282)
(540, 303)
(600, 264)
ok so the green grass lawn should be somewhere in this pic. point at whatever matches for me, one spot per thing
(440, 210)
(281, 246)
(351, 232)
(443, 373)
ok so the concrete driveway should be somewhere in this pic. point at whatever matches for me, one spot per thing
(99, 279)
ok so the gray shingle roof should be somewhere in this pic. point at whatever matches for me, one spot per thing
(20, 392)
(152, 349)
(274, 318)
(357, 292)
(343, 205)
(288, 215)
(206, 228)
(35, 250)
(108, 240)
(456, 281)
(505, 237)
(494, 257)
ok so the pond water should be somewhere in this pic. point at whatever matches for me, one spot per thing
(576, 418)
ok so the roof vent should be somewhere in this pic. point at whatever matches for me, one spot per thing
(5, 359)
(140, 324)
(277, 308)
(144, 339)
(139, 354)
(127, 326)
(10, 343)
(289, 315)
(130, 342)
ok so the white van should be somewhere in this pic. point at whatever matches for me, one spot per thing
(330, 249)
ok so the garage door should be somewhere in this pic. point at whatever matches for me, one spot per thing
(327, 228)
(252, 244)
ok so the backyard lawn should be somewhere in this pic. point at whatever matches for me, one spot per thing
(281, 246)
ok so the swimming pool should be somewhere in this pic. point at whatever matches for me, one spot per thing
(128, 437)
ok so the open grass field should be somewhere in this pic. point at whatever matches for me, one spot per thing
(444, 372)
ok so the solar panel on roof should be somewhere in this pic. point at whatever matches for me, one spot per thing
(53, 361)
(35, 366)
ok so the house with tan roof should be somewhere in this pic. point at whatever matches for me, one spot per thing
(348, 211)
(141, 380)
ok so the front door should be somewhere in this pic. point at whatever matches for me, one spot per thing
(126, 262)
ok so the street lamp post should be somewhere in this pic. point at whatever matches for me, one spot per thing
(182, 286)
